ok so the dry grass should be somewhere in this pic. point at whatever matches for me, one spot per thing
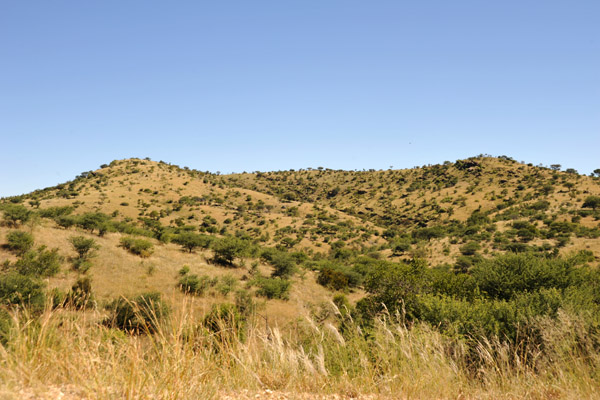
(70, 353)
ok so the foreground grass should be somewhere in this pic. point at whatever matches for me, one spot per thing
(71, 352)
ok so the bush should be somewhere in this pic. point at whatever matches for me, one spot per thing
(80, 297)
(332, 279)
(140, 247)
(194, 284)
(143, 314)
(83, 246)
(19, 242)
(40, 262)
(226, 322)
(18, 289)
(273, 288)
(15, 214)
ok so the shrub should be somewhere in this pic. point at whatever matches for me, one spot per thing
(40, 262)
(226, 322)
(83, 246)
(17, 289)
(15, 214)
(19, 242)
(140, 247)
(273, 288)
(194, 284)
(592, 202)
(81, 297)
(470, 248)
(143, 314)
(332, 279)
(227, 284)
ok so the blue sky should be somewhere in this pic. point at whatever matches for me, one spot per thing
(269, 85)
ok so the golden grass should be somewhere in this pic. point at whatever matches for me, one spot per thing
(72, 353)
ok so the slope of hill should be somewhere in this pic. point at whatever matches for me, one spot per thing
(483, 249)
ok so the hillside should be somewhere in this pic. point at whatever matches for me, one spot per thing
(445, 214)
(449, 266)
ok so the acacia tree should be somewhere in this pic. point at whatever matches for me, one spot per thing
(591, 202)
(83, 246)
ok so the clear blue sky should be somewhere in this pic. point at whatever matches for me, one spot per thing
(268, 85)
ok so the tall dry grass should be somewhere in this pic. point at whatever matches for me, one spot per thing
(74, 353)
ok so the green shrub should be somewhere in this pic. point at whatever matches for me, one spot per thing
(140, 247)
(143, 314)
(227, 284)
(40, 262)
(332, 279)
(227, 249)
(19, 289)
(83, 246)
(226, 323)
(19, 242)
(273, 288)
(15, 214)
(194, 284)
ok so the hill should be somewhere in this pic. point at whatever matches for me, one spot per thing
(482, 249)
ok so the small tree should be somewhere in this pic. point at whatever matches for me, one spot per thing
(14, 214)
(227, 249)
(83, 246)
(190, 240)
(591, 202)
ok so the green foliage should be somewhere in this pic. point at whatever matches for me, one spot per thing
(227, 284)
(81, 297)
(332, 279)
(226, 323)
(83, 246)
(140, 247)
(284, 264)
(470, 248)
(94, 221)
(194, 284)
(19, 242)
(143, 314)
(15, 214)
(273, 288)
(189, 241)
(40, 262)
(227, 249)
(591, 202)
(19, 289)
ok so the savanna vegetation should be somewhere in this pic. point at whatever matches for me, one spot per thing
(473, 279)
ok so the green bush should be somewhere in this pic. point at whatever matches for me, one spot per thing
(143, 314)
(140, 247)
(19, 289)
(194, 284)
(19, 242)
(273, 288)
(40, 262)
(226, 323)
(15, 214)
(83, 246)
